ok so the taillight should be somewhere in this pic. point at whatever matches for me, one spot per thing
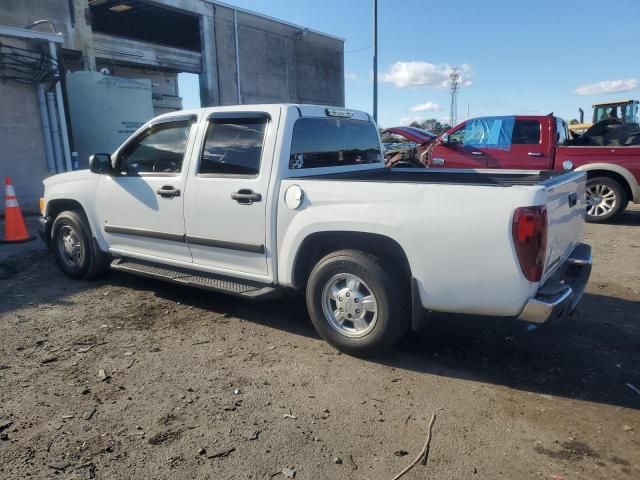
(529, 231)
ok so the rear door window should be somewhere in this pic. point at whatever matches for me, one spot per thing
(331, 142)
(233, 146)
(526, 132)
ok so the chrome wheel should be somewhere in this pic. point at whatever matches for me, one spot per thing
(601, 200)
(70, 247)
(349, 305)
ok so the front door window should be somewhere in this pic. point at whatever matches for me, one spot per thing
(159, 149)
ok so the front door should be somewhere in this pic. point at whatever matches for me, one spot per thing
(455, 153)
(141, 205)
(226, 201)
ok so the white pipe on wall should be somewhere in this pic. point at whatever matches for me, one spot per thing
(63, 120)
(55, 133)
(46, 129)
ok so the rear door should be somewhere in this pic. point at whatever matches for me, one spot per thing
(225, 204)
(529, 147)
(455, 153)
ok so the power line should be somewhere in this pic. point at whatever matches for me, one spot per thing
(359, 49)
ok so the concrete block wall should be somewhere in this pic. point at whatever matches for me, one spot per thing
(22, 154)
(278, 62)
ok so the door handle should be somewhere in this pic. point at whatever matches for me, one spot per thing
(168, 191)
(246, 196)
(535, 154)
(477, 153)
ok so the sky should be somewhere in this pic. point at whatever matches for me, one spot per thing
(515, 57)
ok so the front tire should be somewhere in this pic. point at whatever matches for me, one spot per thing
(357, 304)
(606, 199)
(73, 246)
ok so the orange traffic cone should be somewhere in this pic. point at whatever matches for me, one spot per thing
(14, 228)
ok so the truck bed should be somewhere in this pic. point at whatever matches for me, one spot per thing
(442, 176)
(563, 194)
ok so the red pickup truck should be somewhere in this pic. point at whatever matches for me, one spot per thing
(543, 143)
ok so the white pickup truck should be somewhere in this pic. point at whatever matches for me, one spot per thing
(261, 200)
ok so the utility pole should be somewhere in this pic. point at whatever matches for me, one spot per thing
(375, 60)
(454, 77)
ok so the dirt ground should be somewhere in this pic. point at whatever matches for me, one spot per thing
(133, 378)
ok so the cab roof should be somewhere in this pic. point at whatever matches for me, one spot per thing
(615, 102)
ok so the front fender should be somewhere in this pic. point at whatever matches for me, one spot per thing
(71, 190)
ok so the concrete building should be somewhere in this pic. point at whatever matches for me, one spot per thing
(239, 57)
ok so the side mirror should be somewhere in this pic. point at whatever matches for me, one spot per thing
(444, 139)
(100, 163)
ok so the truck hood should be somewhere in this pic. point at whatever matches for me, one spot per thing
(414, 134)
(75, 176)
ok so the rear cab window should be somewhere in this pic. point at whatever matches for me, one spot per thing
(333, 142)
(562, 136)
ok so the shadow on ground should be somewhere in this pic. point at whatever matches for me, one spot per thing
(628, 218)
(590, 356)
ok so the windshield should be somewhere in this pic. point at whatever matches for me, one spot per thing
(628, 112)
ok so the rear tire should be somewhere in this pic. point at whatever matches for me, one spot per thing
(357, 304)
(606, 199)
(74, 248)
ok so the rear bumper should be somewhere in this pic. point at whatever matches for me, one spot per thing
(560, 294)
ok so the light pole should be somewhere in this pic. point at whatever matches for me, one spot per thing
(375, 60)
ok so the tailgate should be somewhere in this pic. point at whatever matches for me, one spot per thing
(566, 198)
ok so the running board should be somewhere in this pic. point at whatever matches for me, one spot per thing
(198, 279)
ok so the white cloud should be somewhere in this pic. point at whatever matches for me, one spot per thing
(425, 74)
(608, 86)
(351, 76)
(426, 107)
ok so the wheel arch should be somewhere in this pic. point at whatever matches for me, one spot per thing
(616, 172)
(58, 205)
(317, 245)
(55, 206)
